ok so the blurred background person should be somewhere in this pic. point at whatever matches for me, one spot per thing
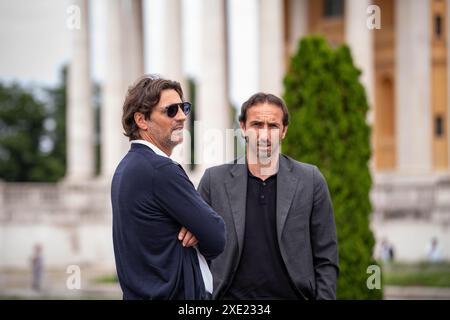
(37, 268)
(434, 251)
(387, 253)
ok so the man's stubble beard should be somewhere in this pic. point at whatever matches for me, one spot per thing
(263, 157)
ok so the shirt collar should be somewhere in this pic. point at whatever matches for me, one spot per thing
(157, 150)
(272, 177)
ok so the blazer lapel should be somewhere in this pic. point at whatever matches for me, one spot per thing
(236, 186)
(286, 187)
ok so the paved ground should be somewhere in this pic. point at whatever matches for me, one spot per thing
(16, 284)
(416, 293)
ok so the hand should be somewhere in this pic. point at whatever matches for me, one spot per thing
(187, 238)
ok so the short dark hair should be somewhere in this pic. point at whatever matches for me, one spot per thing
(142, 97)
(259, 98)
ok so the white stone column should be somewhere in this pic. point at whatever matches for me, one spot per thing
(243, 65)
(80, 112)
(131, 25)
(213, 111)
(298, 22)
(271, 46)
(124, 64)
(112, 139)
(172, 42)
(360, 40)
(163, 35)
(170, 48)
(412, 83)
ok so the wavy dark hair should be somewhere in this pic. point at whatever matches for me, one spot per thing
(142, 97)
(259, 98)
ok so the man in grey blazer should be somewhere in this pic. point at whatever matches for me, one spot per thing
(281, 234)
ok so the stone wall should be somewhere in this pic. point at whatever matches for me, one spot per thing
(72, 221)
(408, 211)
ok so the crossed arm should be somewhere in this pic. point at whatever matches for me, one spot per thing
(200, 223)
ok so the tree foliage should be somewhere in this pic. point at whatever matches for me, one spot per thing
(328, 107)
(32, 133)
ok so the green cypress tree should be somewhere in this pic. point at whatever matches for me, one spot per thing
(328, 107)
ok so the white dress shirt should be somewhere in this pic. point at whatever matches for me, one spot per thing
(204, 268)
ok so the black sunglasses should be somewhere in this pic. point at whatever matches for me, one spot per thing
(172, 109)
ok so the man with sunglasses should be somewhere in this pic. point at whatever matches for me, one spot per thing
(163, 231)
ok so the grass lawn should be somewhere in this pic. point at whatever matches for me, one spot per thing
(107, 279)
(422, 274)
(419, 274)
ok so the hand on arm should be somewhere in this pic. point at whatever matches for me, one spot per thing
(187, 238)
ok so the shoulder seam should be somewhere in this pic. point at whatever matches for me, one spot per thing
(165, 163)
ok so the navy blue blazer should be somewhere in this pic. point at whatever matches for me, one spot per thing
(152, 198)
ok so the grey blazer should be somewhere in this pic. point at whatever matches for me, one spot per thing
(305, 225)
